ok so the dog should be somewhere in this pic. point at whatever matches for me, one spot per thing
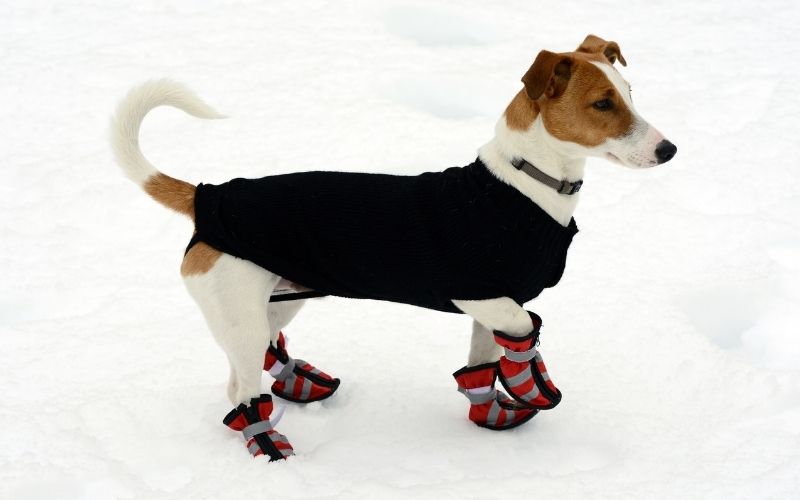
(480, 240)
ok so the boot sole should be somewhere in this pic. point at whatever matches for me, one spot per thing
(507, 427)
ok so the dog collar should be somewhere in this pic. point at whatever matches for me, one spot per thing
(560, 186)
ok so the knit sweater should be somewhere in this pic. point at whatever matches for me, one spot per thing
(422, 240)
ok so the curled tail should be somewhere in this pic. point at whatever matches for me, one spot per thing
(172, 193)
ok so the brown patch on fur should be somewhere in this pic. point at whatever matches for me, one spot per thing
(571, 117)
(560, 85)
(549, 74)
(585, 56)
(521, 112)
(199, 259)
(172, 193)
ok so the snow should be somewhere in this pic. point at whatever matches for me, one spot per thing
(672, 335)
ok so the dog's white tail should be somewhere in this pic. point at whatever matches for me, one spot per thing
(173, 193)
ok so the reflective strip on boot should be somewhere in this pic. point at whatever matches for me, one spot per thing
(522, 378)
(532, 394)
(479, 398)
(509, 415)
(494, 412)
(306, 390)
(281, 443)
(256, 428)
(541, 367)
(286, 371)
(277, 437)
(521, 357)
(264, 425)
(288, 376)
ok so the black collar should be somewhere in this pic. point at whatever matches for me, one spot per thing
(562, 186)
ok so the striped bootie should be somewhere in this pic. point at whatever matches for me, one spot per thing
(522, 372)
(489, 407)
(259, 434)
(296, 380)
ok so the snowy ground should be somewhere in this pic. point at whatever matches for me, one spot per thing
(673, 333)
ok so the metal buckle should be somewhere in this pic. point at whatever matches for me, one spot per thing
(570, 187)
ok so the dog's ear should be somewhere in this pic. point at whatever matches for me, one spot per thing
(596, 45)
(548, 75)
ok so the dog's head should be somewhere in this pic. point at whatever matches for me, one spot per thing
(585, 105)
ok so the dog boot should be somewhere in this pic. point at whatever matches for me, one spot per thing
(259, 434)
(297, 380)
(522, 371)
(489, 407)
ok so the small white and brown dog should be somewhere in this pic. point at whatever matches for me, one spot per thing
(573, 105)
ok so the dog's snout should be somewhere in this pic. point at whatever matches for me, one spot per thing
(665, 150)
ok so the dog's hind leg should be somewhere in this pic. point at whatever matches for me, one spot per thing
(295, 380)
(280, 314)
(232, 294)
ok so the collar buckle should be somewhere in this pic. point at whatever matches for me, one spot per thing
(570, 187)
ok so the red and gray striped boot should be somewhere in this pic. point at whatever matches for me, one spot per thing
(489, 407)
(296, 380)
(259, 434)
(522, 372)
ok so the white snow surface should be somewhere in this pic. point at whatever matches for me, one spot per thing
(673, 334)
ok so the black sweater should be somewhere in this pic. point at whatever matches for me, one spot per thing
(422, 240)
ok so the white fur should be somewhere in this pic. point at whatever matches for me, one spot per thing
(233, 298)
(132, 110)
(636, 149)
(482, 347)
(549, 154)
(502, 314)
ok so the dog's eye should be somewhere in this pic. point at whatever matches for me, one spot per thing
(603, 105)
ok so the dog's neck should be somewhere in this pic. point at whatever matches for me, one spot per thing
(538, 147)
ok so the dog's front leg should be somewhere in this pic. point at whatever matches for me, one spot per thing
(482, 348)
(489, 407)
(501, 314)
(503, 325)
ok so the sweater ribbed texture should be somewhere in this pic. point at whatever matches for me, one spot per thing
(422, 240)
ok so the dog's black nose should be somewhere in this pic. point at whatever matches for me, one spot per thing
(665, 150)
